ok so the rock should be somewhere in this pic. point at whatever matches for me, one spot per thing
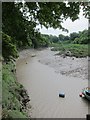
(25, 98)
(68, 53)
(12, 70)
(33, 55)
(64, 56)
(73, 58)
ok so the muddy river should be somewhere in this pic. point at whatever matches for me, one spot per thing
(43, 80)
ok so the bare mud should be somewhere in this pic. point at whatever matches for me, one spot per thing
(68, 66)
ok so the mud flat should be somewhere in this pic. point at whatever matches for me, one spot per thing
(69, 66)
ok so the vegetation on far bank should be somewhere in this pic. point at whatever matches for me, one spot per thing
(77, 50)
(76, 43)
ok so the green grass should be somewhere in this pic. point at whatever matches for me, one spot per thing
(77, 50)
(11, 103)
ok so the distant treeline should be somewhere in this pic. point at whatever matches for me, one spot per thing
(78, 38)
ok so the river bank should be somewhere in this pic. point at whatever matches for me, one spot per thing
(40, 77)
(14, 96)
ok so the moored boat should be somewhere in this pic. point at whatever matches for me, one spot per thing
(86, 92)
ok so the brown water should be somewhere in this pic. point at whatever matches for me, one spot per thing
(44, 85)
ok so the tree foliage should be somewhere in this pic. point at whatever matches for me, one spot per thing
(14, 24)
(82, 37)
(74, 35)
(63, 37)
(20, 20)
(52, 14)
(54, 39)
(8, 48)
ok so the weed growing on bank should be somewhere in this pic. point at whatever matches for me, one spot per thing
(14, 96)
(77, 50)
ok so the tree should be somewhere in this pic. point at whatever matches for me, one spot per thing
(73, 36)
(14, 24)
(54, 39)
(61, 37)
(82, 38)
(20, 21)
(52, 14)
(66, 38)
(8, 48)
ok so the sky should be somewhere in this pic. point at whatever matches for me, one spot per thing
(78, 25)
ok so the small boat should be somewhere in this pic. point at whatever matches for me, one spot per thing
(86, 93)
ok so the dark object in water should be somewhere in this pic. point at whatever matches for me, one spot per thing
(88, 116)
(86, 92)
(62, 95)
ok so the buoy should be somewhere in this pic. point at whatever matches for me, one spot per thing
(62, 95)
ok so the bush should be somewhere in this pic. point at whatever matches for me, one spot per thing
(77, 50)
(8, 48)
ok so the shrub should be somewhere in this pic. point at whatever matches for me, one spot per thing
(8, 48)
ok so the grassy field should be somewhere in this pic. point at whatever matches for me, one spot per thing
(12, 95)
(76, 50)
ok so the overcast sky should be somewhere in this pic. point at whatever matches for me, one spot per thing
(78, 25)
